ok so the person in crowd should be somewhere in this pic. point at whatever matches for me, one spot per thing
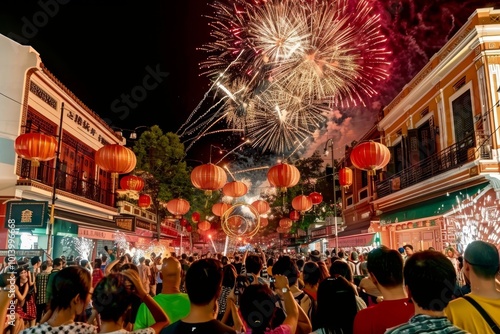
(337, 306)
(253, 266)
(324, 270)
(174, 302)
(9, 321)
(97, 273)
(57, 265)
(203, 285)
(354, 263)
(113, 299)
(144, 273)
(237, 263)
(385, 268)
(184, 266)
(315, 256)
(430, 280)
(341, 268)
(341, 256)
(311, 276)
(408, 251)
(369, 291)
(152, 281)
(228, 280)
(452, 256)
(26, 306)
(69, 293)
(41, 281)
(258, 308)
(481, 265)
(159, 281)
(270, 263)
(363, 266)
(287, 267)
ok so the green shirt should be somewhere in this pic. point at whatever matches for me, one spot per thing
(175, 305)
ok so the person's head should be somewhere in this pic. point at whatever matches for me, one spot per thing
(229, 275)
(354, 256)
(341, 254)
(236, 258)
(142, 259)
(450, 252)
(341, 268)
(35, 261)
(126, 266)
(70, 289)
(482, 258)
(147, 262)
(285, 266)
(270, 262)
(385, 266)
(171, 274)
(311, 273)
(315, 256)
(97, 263)
(44, 266)
(258, 307)
(324, 270)
(84, 262)
(253, 264)
(204, 281)
(300, 263)
(58, 263)
(21, 274)
(408, 249)
(336, 307)
(430, 279)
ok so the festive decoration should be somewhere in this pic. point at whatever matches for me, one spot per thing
(195, 217)
(285, 222)
(283, 176)
(132, 183)
(282, 230)
(189, 228)
(218, 209)
(178, 206)
(316, 198)
(208, 177)
(240, 220)
(144, 201)
(294, 215)
(36, 147)
(204, 226)
(370, 156)
(235, 189)
(183, 222)
(302, 203)
(345, 177)
(261, 206)
(263, 222)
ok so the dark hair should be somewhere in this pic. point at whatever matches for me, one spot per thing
(113, 296)
(430, 278)
(128, 266)
(336, 307)
(286, 266)
(34, 260)
(229, 275)
(253, 264)
(340, 254)
(270, 261)
(341, 268)
(204, 281)
(97, 263)
(58, 262)
(408, 246)
(258, 307)
(386, 265)
(66, 284)
(311, 273)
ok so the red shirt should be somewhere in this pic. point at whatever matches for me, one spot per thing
(97, 275)
(378, 318)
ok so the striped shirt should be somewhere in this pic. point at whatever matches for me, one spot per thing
(420, 323)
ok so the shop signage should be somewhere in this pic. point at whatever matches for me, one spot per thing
(360, 240)
(95, 234)
(21, 252)
(126, 223)
(144, 225)
(323, 231)
(27, 214)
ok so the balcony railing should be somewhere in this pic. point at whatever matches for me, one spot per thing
(71, 183)
(449, 158)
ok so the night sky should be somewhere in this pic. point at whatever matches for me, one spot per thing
(103, 51)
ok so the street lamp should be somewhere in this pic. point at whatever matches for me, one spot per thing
(330, 140)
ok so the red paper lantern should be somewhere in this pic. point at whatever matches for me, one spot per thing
(283, 176)
(235, 189)
(204, 226)
(370, 156)
(316, 198)
(285, 222)
(302, 203)
(178, 206)
(263, 222)
(261, 206)
(195, 217)
(183, 222)
(189, 228)
(36, 147)
(132, 182)
(208, 177)
(294, 215)
(218, 209)
(144, 201)
(345, 177)
(116, 159)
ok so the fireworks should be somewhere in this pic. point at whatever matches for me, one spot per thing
(279, 64)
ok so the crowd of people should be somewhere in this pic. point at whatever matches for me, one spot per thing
(381, 291)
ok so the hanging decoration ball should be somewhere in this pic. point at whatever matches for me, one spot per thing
(116, 159)
(144, 201)
(345, 177)
(294, 215)
(235, 189)
(189, 228)
(36, 147)
(208, 177)
(285, 222)
(261, 206)
(132, 183)
(218, 209)
(370, 156)
(204, 226)
(282, 230)
(316, 198)
(302, 203)
(283, 176)
(195, 217)
(178, 206)
(183, 222)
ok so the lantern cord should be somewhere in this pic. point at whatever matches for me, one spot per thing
(230, 174)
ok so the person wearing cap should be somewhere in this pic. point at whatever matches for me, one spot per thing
(315, 256)
(480, 266)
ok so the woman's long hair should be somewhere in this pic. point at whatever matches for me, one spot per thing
(66, 285)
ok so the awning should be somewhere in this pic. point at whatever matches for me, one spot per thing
(359, 240)
(356, 228)
(431, 208)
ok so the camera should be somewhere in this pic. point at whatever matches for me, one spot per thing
(272, 280)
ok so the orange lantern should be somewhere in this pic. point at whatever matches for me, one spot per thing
(285, 223)
(144, 201)
(261, 206)
(283, 176)
(132, 182)
(204, 226)
(370, 156)
(294, 215)
(116, 159)
(178, 206)
(235, 222)
(263, 222)
(208, 177)
(410, 225)
(345, 177)
(235, 189)
(36, 147)
(218, 209)
(316, 198)
(195, 217)
(302, 203)
(282, 230)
